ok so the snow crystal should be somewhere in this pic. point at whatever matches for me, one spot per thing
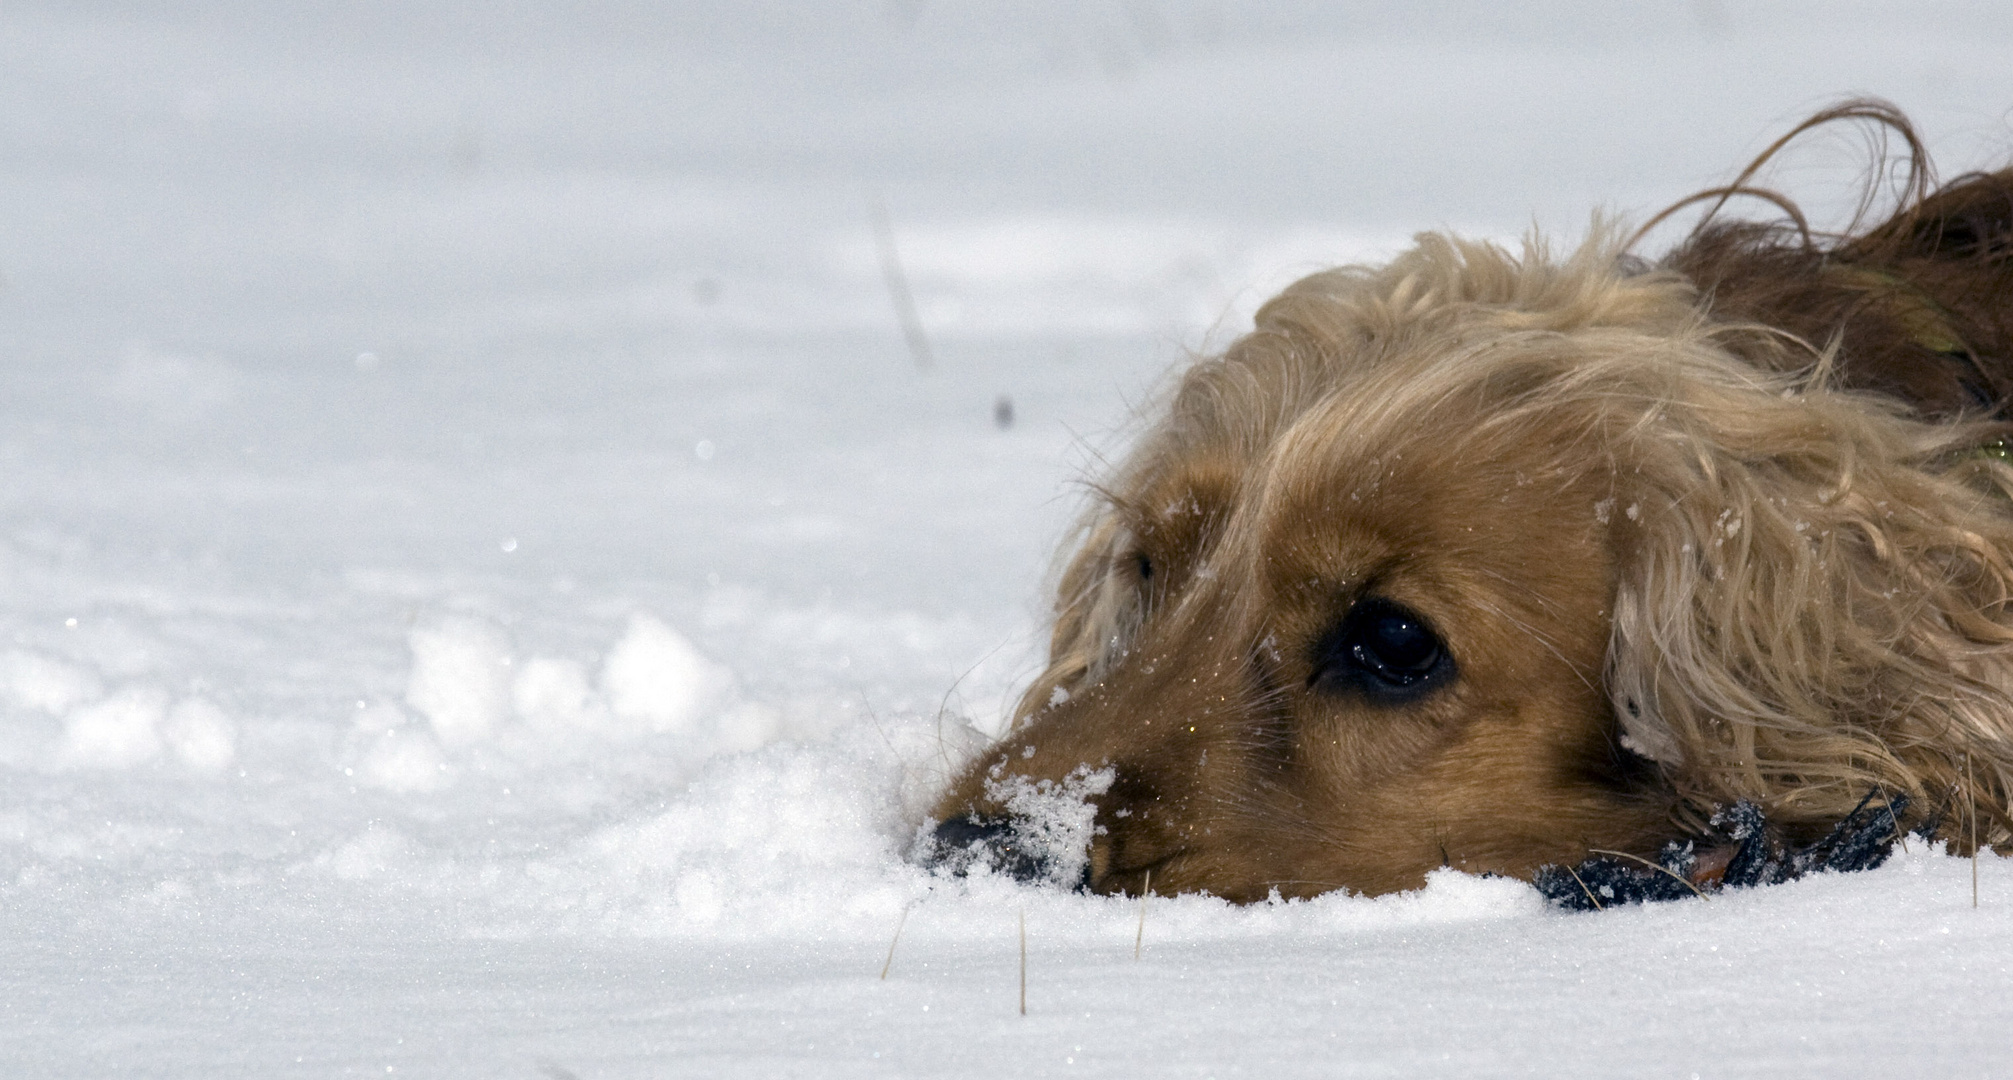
(1053, 822)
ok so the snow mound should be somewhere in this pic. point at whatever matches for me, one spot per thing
(62, 717)
(478, 696)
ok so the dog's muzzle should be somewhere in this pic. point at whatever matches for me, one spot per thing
(997, 845)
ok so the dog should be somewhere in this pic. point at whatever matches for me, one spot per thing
(1504, 561)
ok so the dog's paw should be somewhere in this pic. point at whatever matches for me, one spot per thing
(1750, 856)
(1615, 878)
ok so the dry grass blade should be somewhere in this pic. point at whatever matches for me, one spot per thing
(1664, 870)
(1023, 961)
(898, 288)
(1893, 821)
(1971, 812)
(1596, 901)
(899, 923)
(1145, 890)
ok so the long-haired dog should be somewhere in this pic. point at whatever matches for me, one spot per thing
(1499, 561)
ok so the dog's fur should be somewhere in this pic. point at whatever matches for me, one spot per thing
(1732, 526)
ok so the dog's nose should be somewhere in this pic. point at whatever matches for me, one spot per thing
(993, 842)
(961, 833)
(997, 843)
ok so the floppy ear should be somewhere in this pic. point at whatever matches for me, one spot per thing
(1814, 605)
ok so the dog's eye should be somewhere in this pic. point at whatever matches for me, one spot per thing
(1145, 566)
(1397, 647)
(1384, 650)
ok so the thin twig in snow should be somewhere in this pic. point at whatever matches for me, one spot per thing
(1971, 806)
(1598, 906)
(1023, 960)
(1145, 889)
(898, 288)
(1664, 870)
(899, 923)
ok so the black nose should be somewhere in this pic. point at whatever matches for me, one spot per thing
(995, 843)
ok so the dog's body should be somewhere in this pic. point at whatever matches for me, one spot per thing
(1493, 561)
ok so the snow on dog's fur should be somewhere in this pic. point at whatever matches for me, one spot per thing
(1491, 559)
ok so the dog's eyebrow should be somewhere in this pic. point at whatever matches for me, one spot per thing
(1542, 600)
(1177, 495)
(1536, 635)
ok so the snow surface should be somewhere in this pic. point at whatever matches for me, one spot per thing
(484, 590)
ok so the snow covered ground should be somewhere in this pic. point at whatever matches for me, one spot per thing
(485, 590)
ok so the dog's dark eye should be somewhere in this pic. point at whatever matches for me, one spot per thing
(1397, 647)
(1383, 650)
(1145, 566)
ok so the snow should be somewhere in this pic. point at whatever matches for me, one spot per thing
(485, 591)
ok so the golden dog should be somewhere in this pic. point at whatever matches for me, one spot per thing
(1493, 560)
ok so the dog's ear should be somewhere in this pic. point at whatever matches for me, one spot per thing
(1816, 604)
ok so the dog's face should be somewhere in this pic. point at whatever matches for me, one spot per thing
(1372, 646)
(1488, 563)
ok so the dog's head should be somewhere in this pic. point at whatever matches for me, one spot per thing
(1486, 561)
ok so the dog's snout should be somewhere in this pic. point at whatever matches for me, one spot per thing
(965, 833)
(997, 843)
(964, 842)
